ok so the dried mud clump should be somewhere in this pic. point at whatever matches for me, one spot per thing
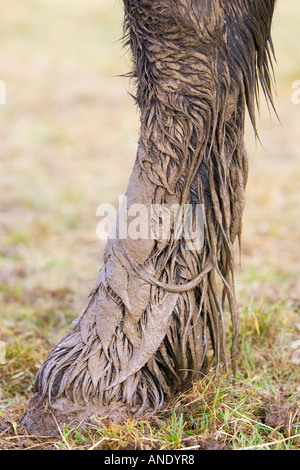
(280, 414)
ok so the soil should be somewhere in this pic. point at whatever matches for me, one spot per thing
(40, 420)
(277, 413)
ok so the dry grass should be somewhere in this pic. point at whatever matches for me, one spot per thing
(68, 143)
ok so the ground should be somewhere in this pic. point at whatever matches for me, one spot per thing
(68, 140)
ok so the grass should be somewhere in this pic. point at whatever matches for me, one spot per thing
(68, 141)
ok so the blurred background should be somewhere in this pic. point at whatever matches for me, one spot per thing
(68, 140)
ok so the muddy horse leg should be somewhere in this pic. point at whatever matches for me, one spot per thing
(158, 302)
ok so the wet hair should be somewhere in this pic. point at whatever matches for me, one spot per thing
(198, 65)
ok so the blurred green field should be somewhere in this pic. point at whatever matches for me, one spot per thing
(68, 139)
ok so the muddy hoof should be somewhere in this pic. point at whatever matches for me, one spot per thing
(45, 421)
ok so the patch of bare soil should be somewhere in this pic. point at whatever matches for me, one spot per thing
(280, 414)
(213, 444)
(208, 443)
(15, 437)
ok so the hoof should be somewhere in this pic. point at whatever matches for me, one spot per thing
(45, 421)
